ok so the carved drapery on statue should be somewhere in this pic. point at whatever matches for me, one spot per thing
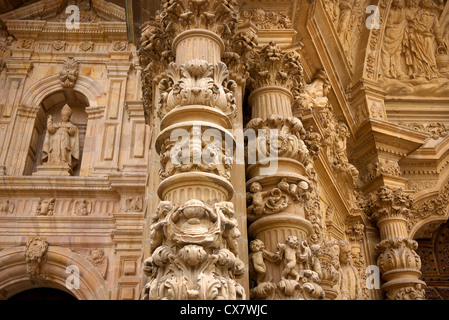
(415, 56)
(61, 145)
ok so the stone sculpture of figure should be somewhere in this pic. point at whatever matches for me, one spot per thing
(423, 30)
(393, 40)
(61, 146)
(344, 22)
(256, 259)
(289, 252)
(349, 282)
(314, 95)
(257, 198)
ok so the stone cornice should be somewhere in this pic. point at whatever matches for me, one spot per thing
(106, 185)
(386, 138)
(57, 30)
(49, 8)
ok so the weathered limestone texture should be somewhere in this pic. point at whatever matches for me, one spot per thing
(225, 149)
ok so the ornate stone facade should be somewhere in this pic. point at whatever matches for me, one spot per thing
(225, 149)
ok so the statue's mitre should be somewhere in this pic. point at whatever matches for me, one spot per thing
(66, 110)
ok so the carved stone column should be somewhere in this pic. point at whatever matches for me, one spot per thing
(283, 202)
(193, 247)
(398, 262)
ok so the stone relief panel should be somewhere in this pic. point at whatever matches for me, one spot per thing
(7, 207)
(348, 17)
(309, 272)
(415, 57)
(266, 19)
(62, 207)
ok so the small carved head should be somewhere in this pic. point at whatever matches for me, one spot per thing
(255, 187)
(345, 252)
(66, 113)
(292, 242)
(256, 246)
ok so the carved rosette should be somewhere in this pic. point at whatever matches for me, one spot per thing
(194, 253)
(400, 266)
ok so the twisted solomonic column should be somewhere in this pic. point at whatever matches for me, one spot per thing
(193, 247)
(284, 208)
(398, 262)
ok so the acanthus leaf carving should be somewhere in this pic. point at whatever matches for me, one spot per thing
(197, 83)
(388, 202)
(69, 73)
(194, 253)
(272, 66)
(290, 136)
(218, 16)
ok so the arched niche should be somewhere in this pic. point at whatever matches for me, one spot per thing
(14, 278)
(52, 105)
(43, 294)
(434, 254)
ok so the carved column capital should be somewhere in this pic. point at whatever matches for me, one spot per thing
(219, 16)
(400, 266)
(390, 208)
(273, 66)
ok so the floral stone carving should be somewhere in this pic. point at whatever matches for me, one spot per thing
(197, 83)
(69, 73)
(35, 251)
(194, 253)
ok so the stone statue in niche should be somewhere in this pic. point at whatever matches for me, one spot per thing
(61, 146)
(349, 282)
